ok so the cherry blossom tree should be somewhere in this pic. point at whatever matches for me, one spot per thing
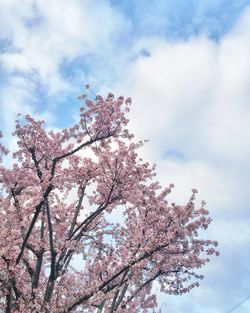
(60, 247)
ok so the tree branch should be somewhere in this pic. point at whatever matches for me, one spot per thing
(52, 276)
(92, 216)
(85, 144)
(78, 207)
(32, 224)
(63, 258)
(39, 255)
(124, 289)
(35, 278)
(148, 281)
(33, 155)
(125, 268)
(9, 300)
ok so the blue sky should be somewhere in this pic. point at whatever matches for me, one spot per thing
(177, 20)
(186, 65)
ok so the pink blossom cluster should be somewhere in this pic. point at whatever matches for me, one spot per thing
(43, 227)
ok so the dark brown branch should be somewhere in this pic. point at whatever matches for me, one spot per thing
(78, 207)
(92, 216)
(124, 289)
(112, 308)
(107, 282)
(35, 278)
(9, 300)
(147, 282)
(63, 259)
(52, 276)
(29, 268)
(32, 224)
(33, 155)
(39, 255)
(83, 145)
(16, 192)
(115, 302)
(16, 291)
(73, 223)
(31, 248)
(42, 225)
(66, 261)
(101, 307)
(87, 222)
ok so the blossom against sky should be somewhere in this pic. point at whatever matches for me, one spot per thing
(186, 65)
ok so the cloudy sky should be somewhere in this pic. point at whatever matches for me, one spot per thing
(186, 64)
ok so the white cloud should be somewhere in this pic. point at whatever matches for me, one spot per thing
(192, 97)
(47, 32)
(41, 36)
(15, 61)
